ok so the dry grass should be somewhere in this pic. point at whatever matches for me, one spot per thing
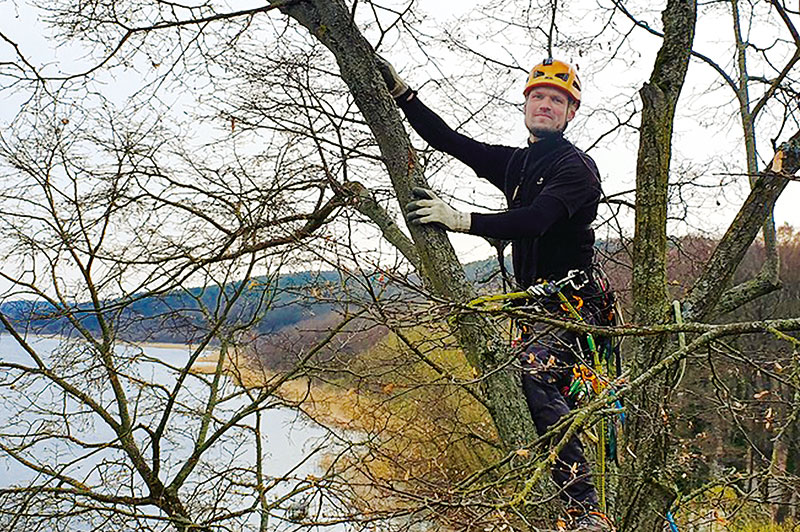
(421, 426)
(724, 510)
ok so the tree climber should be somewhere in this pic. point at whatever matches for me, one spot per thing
(553, 190)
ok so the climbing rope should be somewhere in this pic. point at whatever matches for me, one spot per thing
(671, 521)
(676, 308)
(576, 279)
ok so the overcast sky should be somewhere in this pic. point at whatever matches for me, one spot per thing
(692, 141)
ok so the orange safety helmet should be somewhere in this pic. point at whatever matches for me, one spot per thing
(554, 73)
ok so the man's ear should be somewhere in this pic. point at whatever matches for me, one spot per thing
(571, 109)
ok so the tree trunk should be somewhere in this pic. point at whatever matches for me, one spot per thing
(646, 493)
(778, 496)
(331, 23)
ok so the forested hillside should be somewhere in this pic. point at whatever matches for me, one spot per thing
(266, 306)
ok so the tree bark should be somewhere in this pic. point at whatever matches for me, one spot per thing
(331, 23)
(645, 494)
(709, 288)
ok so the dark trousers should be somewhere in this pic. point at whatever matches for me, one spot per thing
(547, 373)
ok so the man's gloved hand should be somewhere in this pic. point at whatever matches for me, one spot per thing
(430, 209)
(393, 81)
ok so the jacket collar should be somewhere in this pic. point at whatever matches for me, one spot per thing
(546, 144)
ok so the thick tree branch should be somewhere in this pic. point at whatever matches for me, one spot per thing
(365, 203)
(762, 284)
(330, 22)
(709, 287)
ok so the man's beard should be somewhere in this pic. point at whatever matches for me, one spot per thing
(547, 132)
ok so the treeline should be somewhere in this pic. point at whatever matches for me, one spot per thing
(265, 306)
(735, 417)
(737, 406)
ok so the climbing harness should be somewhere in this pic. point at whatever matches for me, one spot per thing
(576, 279)
(589, 377)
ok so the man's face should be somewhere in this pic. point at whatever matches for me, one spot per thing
(547, 112)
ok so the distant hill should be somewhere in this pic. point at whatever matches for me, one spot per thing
(267, 305)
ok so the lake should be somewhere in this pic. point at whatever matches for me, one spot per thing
(293, 445)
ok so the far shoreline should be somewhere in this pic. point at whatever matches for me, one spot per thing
(158, 345)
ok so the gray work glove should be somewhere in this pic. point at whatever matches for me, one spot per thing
(393, 81)
(430, 209)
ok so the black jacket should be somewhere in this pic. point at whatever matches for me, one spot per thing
(552, 189)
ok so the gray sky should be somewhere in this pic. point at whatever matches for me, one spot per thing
(695, 143)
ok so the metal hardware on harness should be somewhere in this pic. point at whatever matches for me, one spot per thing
(578, 304)
(577, 279)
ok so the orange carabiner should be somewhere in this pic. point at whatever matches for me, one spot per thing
(578, 304)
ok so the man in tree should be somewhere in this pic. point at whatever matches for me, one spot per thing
(553, 190)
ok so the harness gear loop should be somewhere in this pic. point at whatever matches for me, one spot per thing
(602, 423)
